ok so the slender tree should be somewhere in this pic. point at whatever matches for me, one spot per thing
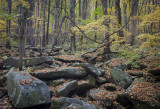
(44, 20)
(80, 10)
(124, 13)
(118, 16)
(56, 18)
(47, 37)
(30, 23)
(133, 21)
(96, 5)
(107, 48)
(72, 16)
(38, 25)
(22, 26)
(8, 45)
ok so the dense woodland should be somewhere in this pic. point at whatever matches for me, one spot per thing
(108, 49)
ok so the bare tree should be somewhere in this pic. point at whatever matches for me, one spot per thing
(133, 21)
(47, 37)
(72, 16)
(106, 23)
(30, 23)
(118, 16)
(22, 26)
(8, 45)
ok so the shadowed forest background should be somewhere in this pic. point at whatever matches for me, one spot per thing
(107, 47)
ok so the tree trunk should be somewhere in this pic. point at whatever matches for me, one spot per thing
(30, 22)
(124, 14)
(96, 5)
(65, 8)
(42, 27)
(84, 9)
(38, 27)
(8, 45)
(72, 16)
(22, 25)
(44, 19)
(107, 48)
(118, 16)
(47, 38)
(104, 5)
(80, 10)
(133, 21)
(56, 16)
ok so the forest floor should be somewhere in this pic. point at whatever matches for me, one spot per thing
(145, 91)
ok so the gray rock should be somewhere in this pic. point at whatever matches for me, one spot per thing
(96, 72)
(62, 73)
(152, 103)
(121, 78)
(56, 83)
(25, 90)
(64, 91)
(11, 62)
(101, 80)
(70, 102)
(14, 61)
(54, 53)
(85, 85)
(70, 59)
(57, 49)
(92, 94)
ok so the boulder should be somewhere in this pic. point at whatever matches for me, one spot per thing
(25, 90)
(91, 69)
(93, 93)
(55, 83)
(144, 95)
(61, 73)
(68, 58)
(14, 61)
(102, 80)
(124, 101)
(57, 49)
(121, 78)
(67, 88)
(54, 53)
(85, 85)
(68, 103)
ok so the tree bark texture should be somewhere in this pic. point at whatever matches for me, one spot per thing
(107, 48)
(30, 29)
(22, 25)
(118, 16)
(72, 16)
(133, 21)
(8, 27)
